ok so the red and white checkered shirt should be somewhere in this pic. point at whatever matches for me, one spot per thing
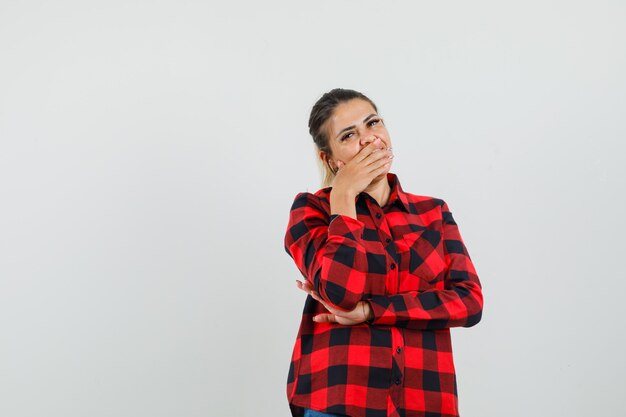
(408, 260)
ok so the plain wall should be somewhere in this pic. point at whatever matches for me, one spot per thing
(150, 152)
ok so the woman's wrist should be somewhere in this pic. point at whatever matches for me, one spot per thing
(368, 313)
(342, 202)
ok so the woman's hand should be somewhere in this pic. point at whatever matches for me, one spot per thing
(362, 312)
(358, 173)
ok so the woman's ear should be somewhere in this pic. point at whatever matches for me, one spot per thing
(328, 161)
(324, 158)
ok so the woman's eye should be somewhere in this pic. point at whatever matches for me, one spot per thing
(346, 136)
(373, 122)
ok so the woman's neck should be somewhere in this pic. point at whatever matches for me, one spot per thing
(380, 191)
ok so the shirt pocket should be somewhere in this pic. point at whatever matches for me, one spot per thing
(423, 264)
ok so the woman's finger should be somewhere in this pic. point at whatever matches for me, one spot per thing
(300, 285)
(381, 156)
(375, 166)
(308, 288)
(367, 151)
(325, 318)
(304, 286)
(317, 298)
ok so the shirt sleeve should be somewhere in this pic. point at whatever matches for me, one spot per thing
(458, 304)
(328, 251)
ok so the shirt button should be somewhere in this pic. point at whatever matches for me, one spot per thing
(393, 266)
(399, 350)
(387, 240)
(397, 381)
(378, 216)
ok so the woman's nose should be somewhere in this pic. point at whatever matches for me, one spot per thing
(367, 139)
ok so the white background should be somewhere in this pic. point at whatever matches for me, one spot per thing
(150, 152)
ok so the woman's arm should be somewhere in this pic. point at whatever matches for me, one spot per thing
(325, 239)
(328, 251)
(459, 304)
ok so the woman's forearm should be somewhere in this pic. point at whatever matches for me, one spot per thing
(342, 203)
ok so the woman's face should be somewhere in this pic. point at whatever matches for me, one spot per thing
(353, 125)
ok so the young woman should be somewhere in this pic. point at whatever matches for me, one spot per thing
(387, 274)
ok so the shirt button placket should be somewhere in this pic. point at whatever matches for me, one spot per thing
(396, 387)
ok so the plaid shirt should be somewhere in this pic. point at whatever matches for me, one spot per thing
(408, 260)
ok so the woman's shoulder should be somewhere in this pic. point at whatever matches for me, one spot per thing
(319, 199)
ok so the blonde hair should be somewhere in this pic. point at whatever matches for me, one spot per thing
(327, 175)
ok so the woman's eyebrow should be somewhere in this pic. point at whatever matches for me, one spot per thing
(353, 126)
(369, 117)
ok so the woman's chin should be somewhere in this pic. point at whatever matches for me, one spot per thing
(382, 176)
(376, 181)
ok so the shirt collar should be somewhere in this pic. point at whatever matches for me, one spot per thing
(397, 195)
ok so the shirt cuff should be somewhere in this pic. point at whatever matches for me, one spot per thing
(380, 309)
